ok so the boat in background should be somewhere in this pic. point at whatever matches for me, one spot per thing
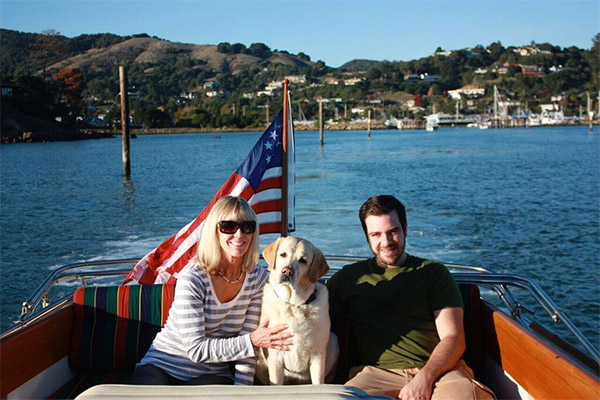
(431, 127)
(441, 119)
(92, 336)
(534, 120)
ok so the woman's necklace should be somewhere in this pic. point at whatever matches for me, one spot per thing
(232, 280)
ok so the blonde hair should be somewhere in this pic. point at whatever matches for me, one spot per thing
(209, 249)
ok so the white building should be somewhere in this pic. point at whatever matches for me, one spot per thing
(296, 78)
(467, 91)
(352, 81)
(215, 93)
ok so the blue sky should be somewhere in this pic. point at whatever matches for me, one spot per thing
(333, 31)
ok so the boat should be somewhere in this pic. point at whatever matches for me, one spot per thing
(442, 119)
(534, 120)
(552, 118)
(392, 123)
(81, 332)
(431, 127)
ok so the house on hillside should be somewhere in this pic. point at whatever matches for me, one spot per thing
(296, 79)
(210, 85)
(215, 93)
(352, 81)
(429, 78)
(532, 70)
(470, 91)
(530, 51)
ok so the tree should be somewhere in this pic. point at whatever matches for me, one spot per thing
(49, 44)
(260, 50)
(593, 59)
(224, 48)
(495, 50)
(153, 118)
(70, 85)
(303, 56)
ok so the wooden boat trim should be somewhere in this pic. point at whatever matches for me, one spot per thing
(45, 340)
(541, 371)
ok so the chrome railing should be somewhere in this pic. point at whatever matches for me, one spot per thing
(89, 272)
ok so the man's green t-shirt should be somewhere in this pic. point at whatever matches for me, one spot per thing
(390, 311)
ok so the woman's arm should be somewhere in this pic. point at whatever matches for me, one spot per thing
(189, 311)
(244, 369)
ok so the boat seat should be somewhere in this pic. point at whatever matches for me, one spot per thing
(113, 328)
(473, 355)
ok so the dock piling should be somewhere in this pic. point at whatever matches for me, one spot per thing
(124, 122)
(321, 140)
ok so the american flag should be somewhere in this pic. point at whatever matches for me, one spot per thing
(259, 180)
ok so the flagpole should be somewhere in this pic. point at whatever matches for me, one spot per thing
(284, 163)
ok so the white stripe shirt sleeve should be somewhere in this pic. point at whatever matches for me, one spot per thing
(244, 369)
(189, 306)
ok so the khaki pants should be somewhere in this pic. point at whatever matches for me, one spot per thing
(457, 383)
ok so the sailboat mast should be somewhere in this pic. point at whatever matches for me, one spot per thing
(495, 105)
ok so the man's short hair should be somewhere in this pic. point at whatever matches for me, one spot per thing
(380, 205)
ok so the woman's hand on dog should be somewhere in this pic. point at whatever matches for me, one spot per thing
(273, 338)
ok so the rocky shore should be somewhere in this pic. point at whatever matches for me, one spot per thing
(17, 127)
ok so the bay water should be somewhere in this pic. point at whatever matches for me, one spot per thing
(523, 201)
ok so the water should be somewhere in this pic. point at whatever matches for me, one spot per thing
(525, 201)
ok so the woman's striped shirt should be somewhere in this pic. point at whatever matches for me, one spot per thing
(202, 335)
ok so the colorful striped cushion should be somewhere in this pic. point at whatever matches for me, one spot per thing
(114, 326)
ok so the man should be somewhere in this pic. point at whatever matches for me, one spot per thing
(405, 314)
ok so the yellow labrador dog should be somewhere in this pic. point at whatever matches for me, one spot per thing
(293, 296)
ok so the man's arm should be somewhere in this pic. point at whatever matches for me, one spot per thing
(447, 353)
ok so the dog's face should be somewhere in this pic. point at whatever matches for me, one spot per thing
(295, 262)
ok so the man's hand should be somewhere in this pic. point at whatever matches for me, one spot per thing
(418, 389)
(449, 325)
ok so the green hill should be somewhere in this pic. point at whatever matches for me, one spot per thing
(203, 85)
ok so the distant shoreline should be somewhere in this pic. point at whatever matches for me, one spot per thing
(168, 131)
(338, 127)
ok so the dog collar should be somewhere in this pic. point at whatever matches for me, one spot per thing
(312, 297)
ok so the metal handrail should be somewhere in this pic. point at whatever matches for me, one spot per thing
(62, 275)
(464, 273)
(557, 315)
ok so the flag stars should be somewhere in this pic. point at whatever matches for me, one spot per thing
(274, 135)
(268, 158)
(268, 145)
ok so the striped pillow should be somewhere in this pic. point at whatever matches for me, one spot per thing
(114, 326)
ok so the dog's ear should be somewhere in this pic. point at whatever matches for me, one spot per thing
(318, 267)
(270, 253)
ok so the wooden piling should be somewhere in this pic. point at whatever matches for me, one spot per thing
(321, 140)
(268, 116)
(125, 121)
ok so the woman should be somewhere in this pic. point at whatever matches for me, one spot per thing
(213, 325)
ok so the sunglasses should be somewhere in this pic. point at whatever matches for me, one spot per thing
(231, 227)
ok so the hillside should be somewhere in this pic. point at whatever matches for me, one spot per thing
(230, 85)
